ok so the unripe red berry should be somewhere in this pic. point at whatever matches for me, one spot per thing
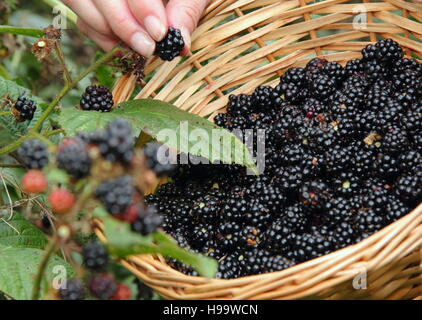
(34, 181)
(61, 201)
(122, 293)
(130, 215)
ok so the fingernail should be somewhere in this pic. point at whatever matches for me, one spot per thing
(155, 28)
(186, 37)
(143, 44)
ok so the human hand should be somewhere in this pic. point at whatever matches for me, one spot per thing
(138, 23)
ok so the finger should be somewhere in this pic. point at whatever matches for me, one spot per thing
(89, 13)
(107, 43)
(184, 15)
(125, 26)
(151, 15)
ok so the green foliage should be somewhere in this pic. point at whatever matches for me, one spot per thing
(20, 233)
(122, 242)
(153, 117)
(18, 267)
(36, 33)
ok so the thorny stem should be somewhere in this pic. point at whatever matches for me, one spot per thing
(66, 74)
(5, 113)
(43, 265)
(53, 132)
(107, 57)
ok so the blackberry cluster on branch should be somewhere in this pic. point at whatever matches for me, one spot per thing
(171, 46)
(33, 154)
(342, 160)
(158, 158)
(97, 98)
(24, 109)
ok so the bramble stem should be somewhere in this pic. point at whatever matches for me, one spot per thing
(30, 32)
(66, 74)
(43, 265)
(53, 132)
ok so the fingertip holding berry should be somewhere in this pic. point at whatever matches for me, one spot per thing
(61, 201)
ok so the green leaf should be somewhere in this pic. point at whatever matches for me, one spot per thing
(20, 233)
(58, 176)
(18, 267)
(155, 117)
(122, 242)
(30, 32)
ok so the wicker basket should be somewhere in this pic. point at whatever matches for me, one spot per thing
(241, 44)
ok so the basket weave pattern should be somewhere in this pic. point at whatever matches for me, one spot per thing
(241, 44)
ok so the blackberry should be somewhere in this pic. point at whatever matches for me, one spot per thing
(171, 46)
(322, 86)
(277, 263)
(95, 256)
(408, 188)
(291, 92)
(228, 267)
(410, 161)
(354, 67)
(24, 109)
(395, 140)
(73, 157)
(102, 286)
(369, 52)
(115, 142)
(388, 51)
(335, 71)
(158, 159)
(239, 105)
(116, 194)
(296, 76)
(344, 235)
(369, 221)
(33, 154)
(387, 166)
(251, 236)
(308, 246)
(147, 222)
(407, 66)
(314, 194)
(263, 97)
(314, 67)
(97, 98)
(74, 290)
(396, 209)
(253, 261)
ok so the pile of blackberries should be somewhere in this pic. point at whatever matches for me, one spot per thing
(343, 160)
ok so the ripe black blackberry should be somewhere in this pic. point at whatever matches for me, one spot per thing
(95, 256)
(408, 188)
(102, 286)
(395, 140)
(369, 52)
(239, 105)
(370, 220)
(24, 109)
(387, 166)
(33, 154)
(410, 161)
(277, 263)
(74, 290)
(147, 222)
(115, 142)
(296, 76)
(171, 46)
(396, 209)
(388, 51)
(116, 194)
(228, 267)
(73, 157)
(263, 97)
(322, 86)
(335, 71)
(354, 67)
(314, 194)
(308, 246)
(343, 235)
(159, 160)
(97, 98)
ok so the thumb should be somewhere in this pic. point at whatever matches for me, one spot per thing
(184, 15)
